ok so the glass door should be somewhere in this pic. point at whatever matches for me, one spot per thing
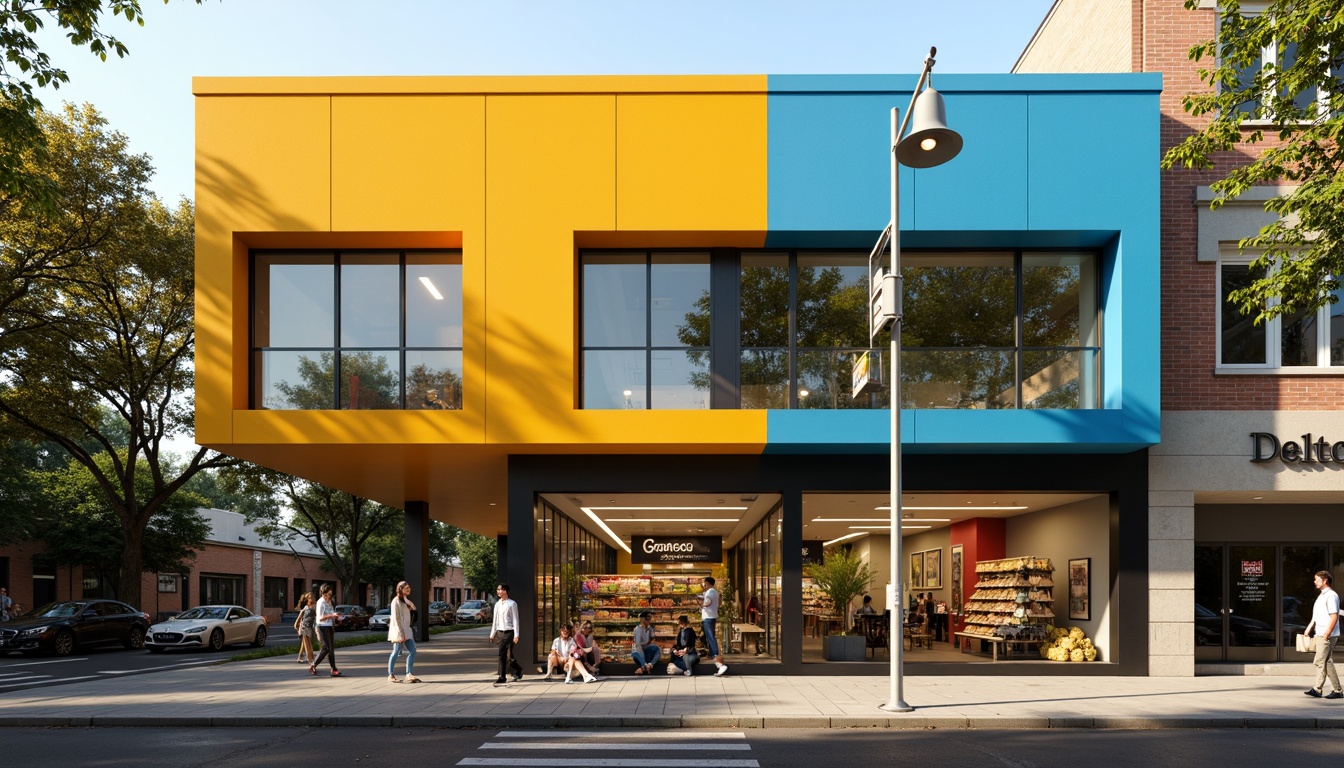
(1209, 607)
(1300, 563)
(1251, 615)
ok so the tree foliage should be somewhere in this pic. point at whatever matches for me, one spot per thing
(24, 65)
(337, 523)
(81, 528)
(1287, 117)
(480, 561)
(384, 555)
(96, 351)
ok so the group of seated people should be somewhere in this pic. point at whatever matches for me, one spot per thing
(577, 654)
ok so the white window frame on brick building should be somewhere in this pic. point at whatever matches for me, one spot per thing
(1270, 54)
(1277, 334)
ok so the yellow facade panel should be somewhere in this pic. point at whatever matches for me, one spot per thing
(692, 162)
(407, 163)
(551, 166)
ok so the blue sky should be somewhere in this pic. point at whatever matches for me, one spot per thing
(148, 94)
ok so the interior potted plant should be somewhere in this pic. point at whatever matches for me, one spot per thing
(843, 576)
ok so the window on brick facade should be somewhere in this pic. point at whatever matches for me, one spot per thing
(168, 582)
(274, 594)
(1311, 339)
(1275, 57)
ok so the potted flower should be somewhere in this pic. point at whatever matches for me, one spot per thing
(843, 576)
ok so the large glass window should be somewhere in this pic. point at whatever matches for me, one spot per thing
(1303, 339)
(646, 331)
(357, 330)
(982, 330)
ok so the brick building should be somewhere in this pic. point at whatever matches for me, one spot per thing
(1248, 481)
(236, 566)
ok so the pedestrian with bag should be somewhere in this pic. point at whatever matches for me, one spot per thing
(306, 625)
(326, 629)
(504, 631)
(709, 619)
(1324, 628)
(401, 633)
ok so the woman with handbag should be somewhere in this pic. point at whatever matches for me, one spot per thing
(401, 634)
(306, 625)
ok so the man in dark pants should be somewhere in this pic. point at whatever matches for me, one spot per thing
(504, 630)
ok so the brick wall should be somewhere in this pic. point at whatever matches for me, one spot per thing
(1189, 287)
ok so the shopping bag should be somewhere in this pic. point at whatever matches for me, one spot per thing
(1303, 643)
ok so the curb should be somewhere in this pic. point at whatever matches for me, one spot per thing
(770, 722)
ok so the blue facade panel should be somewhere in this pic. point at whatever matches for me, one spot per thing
(1050, 161)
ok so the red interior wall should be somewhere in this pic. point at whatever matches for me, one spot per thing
(981, 538)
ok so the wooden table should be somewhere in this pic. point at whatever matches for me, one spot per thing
(995, 641)
(741, 631)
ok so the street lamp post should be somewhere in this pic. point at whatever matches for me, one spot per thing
(930, 143)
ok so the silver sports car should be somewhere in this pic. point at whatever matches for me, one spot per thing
(208, 626)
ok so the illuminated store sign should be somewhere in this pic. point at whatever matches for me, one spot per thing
(1267, 447)
(676, 549)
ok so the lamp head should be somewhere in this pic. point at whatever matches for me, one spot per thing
(930, 142)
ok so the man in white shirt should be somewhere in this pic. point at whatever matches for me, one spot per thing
(1324, 627)
(504, 630)
(709, 619)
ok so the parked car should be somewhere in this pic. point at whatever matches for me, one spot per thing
(381, 619)
(208, 626)
(441, 612)
(62, 627)
(351, 617)
(474, 611)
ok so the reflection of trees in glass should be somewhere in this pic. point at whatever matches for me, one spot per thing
(365, 376)
(433, 388)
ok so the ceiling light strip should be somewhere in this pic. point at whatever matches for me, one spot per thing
(672, 520)
(604, 527)
(715, 508)
(842, 538)
(951, 509)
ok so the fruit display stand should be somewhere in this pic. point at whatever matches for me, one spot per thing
(1011, 606)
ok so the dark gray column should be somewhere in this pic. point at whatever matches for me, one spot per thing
(791, 587)
(417, 564)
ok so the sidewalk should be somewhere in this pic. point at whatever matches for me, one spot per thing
(458, 670)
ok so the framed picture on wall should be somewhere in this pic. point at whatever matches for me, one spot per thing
(933, 568)
(917, 570)
(956, 578)
(1080, 586)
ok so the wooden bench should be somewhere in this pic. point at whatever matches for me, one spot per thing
(995, 641)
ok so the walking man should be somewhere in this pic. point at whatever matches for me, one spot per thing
(505, 632)
(1324, 627)
(709, 618)
(5, 604)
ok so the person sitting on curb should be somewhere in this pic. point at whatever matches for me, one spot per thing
(583, 642)
(645, 652)
(683, 651)
(562, 650)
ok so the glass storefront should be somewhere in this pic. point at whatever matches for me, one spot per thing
(1252, 598)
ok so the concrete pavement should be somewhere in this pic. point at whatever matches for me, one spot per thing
(458, 691)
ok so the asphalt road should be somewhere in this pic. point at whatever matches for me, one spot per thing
(19, 672)
(259, 747)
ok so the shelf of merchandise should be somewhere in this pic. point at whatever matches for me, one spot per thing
(1011, 592)
(613, 603)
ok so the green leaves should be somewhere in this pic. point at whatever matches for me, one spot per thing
(1296, 99)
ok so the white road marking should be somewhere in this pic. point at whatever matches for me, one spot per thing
(34, 663)
(53, 681)
(156, 669)
(608, 746)
(666, 733)
(636, 762)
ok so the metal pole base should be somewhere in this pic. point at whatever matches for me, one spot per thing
(896, 706)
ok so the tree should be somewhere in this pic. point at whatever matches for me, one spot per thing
(843, 576)
(101, 361)
(384, 555)
(1297, 103)
(21, 133)
(337, 523)
(480, 561)
(82, 529)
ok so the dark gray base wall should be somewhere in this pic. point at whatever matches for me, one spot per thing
(1123, 477)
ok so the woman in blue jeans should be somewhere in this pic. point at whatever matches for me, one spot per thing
(401, 634)
(645, 652)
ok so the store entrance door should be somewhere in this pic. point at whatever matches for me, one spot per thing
(1250, 599)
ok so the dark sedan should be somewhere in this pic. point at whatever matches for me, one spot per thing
(351, 617)
(64, 626)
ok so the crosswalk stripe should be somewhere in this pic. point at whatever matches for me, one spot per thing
(608, 747)
(636, 762)
(664, 733)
